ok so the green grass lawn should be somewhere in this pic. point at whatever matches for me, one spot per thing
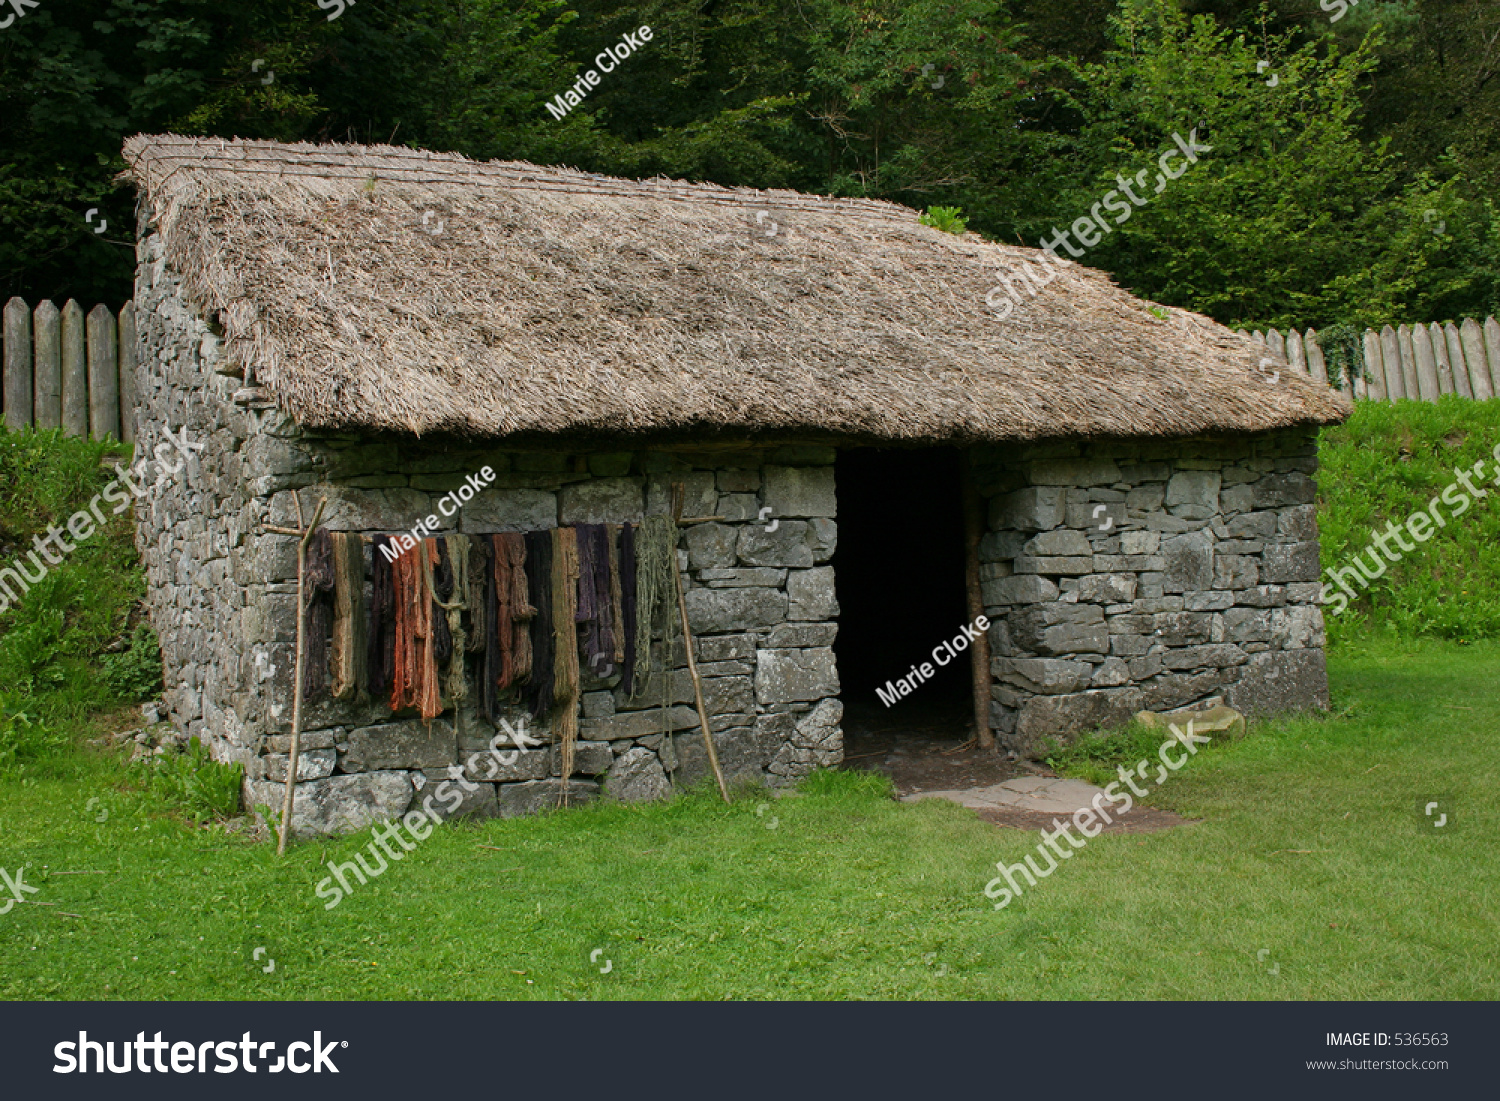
(1312, 855)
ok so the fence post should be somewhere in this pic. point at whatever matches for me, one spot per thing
(1492, 341)
(1456, 358)
(104, 373)
(128, 393)
(1427, 376)
(75, 378)
(1440, 354)
(17, 389)
(46, 324)
(1317, 367)
(1479, 373)
(1374, 368)
(1390, 356)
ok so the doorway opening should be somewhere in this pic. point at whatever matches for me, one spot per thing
(899, 572)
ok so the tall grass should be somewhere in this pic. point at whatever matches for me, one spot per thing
(84, 616)
(1387, 462)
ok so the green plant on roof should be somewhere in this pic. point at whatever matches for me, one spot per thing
(1157, 311)
(946, 218)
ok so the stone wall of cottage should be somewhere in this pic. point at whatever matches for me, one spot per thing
(1130, 575)
(760, 596)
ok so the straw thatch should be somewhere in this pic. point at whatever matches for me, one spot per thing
(375, 287)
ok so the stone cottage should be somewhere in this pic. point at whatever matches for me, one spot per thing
(375, 325)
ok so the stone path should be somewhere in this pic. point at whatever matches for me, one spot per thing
(1039, 794)
(1031, 802)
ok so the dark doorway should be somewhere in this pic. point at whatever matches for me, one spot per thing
(899, 571)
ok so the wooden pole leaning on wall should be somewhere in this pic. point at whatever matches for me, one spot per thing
(679, 493)
(979, 652)
(306, 534)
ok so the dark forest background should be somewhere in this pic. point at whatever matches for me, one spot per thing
(1352, 179)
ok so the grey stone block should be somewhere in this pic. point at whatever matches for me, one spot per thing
(1211, 601)
(1145, 498)
(638, 724)
(637, 777)
(739, 481)
(752, 577)
(1072, 567)
(1062, 718)
(336, 804)
(1027, 589)
(1215, 656)
(1140, 542)
(1074, 472)
(598, 705)
(1290, 680)
(1181, 628)
(822, 539)
(509, 510)
(1189, 562)
(1107, 588)
(1047, 676)
(1111, 673)
(1262, 596)
(787, 546)
(1096, 516)
(811, 594)
(725, 648)
(718, 611)
(801, 634)
(602, 501)
(1053, 629)
(799, 491)
(1036, 508)
(1235, 499)
(1061, 542)
(517, 800)
(1193, 494)
(994, 546)
(740, 756)
(528, 764)
(786, 676)
(1235, 571)
(1247, 625)
(589, 759)
(312, 764)
(711, 546)
(738, 507)
(1280, 490)
(1290, 562)
(403, 744)
(1253, 525)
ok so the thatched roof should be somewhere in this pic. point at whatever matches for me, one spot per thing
(374, 287)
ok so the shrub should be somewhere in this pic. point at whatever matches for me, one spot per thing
(945, 218)
(192, 782)
(135, 673)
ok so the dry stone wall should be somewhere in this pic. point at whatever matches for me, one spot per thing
(223, 596)
(1130, 575)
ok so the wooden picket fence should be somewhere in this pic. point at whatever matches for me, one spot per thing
(1422, 362)
(60, 369)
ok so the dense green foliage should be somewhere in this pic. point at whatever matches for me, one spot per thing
(1357, 189)
(1387, 462)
